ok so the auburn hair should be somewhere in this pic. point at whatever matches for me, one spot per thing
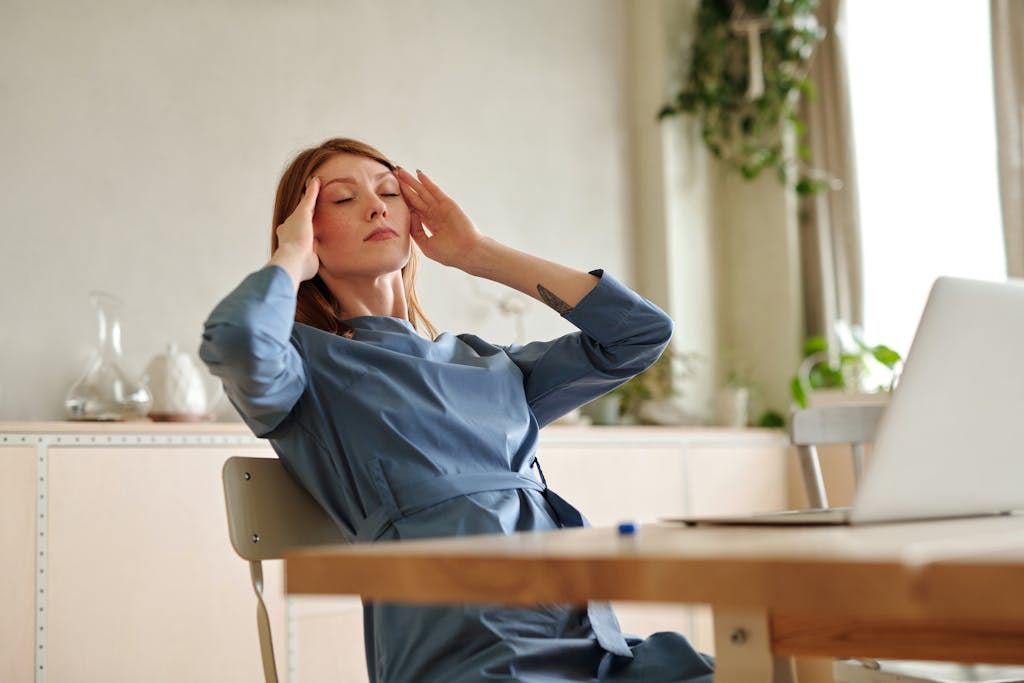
(316, 306)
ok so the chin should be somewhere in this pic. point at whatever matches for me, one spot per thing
(406, 256)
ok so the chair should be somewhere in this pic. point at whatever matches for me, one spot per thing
(267, 513)
(856, 424)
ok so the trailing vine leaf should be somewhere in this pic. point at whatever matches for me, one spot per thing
(747, 132)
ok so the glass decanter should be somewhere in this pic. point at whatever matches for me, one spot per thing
(105, 391)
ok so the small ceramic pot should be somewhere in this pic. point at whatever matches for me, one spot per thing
(177, 387)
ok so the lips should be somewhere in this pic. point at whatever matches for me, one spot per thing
(382, 233)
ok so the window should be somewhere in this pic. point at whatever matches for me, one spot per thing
(924, 132)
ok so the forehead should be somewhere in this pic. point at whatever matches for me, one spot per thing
(351, 166)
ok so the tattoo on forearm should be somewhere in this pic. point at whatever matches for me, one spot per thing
(553, 301)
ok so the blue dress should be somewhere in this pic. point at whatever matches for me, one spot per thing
(401, 437)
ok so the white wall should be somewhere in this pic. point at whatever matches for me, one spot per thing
(672, 192)
(760, 311)
(142, 141)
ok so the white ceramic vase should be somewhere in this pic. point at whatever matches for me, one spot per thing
(177, 387)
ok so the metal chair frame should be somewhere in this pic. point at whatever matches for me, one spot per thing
(268, 511)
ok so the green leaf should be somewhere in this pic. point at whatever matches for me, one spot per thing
(796, 390)
(771, 419)
(810, 186)
(745, 134)
(886, 356)
(815, 344)
(847, 358)
(823, 376)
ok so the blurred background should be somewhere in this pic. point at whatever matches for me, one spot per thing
(142, 143)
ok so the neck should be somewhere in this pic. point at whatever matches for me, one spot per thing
(376, 295)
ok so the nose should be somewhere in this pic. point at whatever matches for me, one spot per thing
(377, 208)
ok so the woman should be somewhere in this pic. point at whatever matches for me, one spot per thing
(398, 436)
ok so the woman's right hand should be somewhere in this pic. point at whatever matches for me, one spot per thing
(296, 244)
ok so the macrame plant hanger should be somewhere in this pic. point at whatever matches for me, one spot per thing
(752, 26)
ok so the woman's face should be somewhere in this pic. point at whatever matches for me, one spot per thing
(361, 220)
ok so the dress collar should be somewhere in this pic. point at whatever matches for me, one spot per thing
(380, 323)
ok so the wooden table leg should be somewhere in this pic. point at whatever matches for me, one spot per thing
(743, 651)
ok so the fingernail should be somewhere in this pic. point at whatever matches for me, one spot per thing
(310, 180)
(419, 172)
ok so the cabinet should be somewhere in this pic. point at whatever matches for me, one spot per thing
(643, 474)
(115, 563)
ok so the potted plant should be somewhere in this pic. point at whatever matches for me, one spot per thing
(748, 71)
(650, 397)
(854, 366)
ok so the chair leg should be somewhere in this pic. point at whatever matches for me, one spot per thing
(814, 485)
(263, 624)
(858, 464)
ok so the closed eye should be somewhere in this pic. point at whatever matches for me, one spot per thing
(342, 201)
(389, 194)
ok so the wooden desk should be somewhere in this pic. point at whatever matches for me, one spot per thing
(949, 590)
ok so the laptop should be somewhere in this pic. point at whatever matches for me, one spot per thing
(951, 441)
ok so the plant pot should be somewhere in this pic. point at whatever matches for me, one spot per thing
(605, 410)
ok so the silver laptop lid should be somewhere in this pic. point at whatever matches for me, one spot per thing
(952, 439)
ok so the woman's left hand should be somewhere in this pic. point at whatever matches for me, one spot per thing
(452, 236)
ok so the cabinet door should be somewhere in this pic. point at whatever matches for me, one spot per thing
(17, 563)
(143, 582)
(736, 479)
(329, 636)
(611, 484)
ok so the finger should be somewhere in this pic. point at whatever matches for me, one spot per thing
(309, 194)
(415, 184)
(435, 191)
(404, 176)
(416, 228)
(407, 181)
(411, 196)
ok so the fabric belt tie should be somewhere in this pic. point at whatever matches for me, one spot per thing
(407, 500)
(602, 618)
(403, 501)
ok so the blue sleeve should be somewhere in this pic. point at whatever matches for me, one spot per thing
(247, 344)
(621, 334)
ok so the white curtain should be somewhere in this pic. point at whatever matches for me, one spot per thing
(829, 220)
(1008, 71)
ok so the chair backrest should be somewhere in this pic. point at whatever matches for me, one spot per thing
(268, 511)
(852, 423)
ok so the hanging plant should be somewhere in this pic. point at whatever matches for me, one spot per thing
(748, 71)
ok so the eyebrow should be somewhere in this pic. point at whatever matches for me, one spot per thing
(349, 180)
